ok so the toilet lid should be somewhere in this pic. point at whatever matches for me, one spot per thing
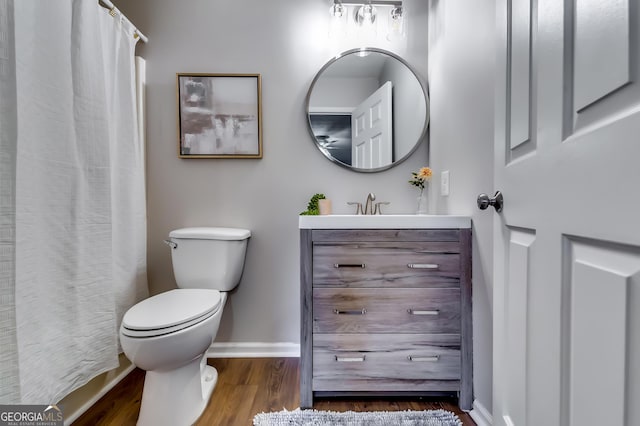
(210, 233)
(169, 312)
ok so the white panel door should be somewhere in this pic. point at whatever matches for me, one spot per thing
(567, 259)
(372, 130)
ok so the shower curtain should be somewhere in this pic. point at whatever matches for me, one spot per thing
(72, 195)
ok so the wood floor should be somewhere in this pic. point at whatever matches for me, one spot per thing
(246, 386)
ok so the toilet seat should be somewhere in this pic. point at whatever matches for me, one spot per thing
(170, 312)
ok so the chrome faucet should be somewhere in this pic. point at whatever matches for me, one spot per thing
(368, 206)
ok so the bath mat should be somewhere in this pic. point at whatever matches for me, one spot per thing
(352, 418)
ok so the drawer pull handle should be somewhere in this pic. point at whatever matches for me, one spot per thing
(349, 359)
(354, 312)
(349, 265)
(434, 358)
(423, 265)
(428, 312)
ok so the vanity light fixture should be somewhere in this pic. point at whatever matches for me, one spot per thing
(364, 14)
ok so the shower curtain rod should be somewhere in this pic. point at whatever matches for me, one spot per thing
(113, 10)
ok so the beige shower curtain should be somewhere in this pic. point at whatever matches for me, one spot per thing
(73, 220)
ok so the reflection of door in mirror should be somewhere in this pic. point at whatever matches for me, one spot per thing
(372, 140)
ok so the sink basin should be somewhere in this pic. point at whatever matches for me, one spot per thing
(389, 221)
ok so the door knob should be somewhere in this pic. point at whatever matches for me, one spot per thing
(496, 201)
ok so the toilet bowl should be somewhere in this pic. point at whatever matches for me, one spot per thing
(167, 335)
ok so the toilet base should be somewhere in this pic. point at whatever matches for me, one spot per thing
(177, 397)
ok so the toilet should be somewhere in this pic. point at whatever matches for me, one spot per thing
(168, 335)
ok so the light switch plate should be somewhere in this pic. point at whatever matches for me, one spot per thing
(444, 183)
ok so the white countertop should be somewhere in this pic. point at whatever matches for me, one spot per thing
(389, 221)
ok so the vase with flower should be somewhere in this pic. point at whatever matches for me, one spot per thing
(419, 179)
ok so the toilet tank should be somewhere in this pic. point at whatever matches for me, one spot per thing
(209, 258)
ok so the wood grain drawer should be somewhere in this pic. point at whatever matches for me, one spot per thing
(386, 310)
(416, 264)
(377, 235)
(380, 362)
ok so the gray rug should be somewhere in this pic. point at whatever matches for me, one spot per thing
(352, 418)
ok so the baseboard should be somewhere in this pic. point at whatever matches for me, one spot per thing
(253, 350)
(88, 403)
(480, 414)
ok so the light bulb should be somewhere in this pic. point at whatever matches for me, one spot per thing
(338, 21)
(366, 15)
(337, 10)
(396, 13)
(396, 24)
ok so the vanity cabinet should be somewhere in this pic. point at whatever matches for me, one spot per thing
(385, 312)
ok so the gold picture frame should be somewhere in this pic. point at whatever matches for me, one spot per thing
(219, 115)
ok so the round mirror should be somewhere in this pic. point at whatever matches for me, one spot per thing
(367, 110)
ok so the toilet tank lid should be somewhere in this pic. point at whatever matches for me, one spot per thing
(211, 233)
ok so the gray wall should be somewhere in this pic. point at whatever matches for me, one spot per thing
(286, 42)
(461, 63)
(343, 92)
